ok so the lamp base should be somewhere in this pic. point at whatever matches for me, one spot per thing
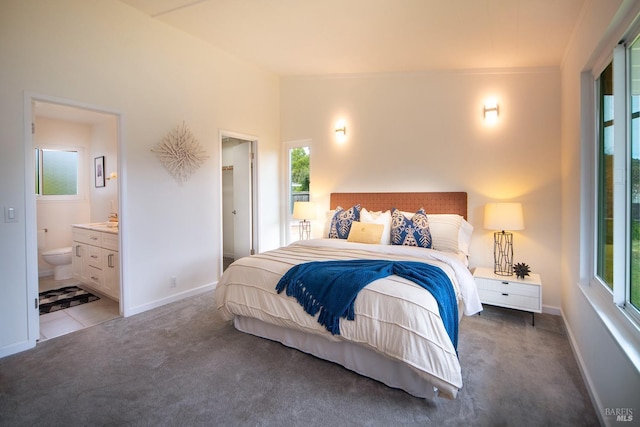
(503, 253)
(304, 228)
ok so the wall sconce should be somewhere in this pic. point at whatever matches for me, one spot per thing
(112, 175)
(341, 131)
(491, 111)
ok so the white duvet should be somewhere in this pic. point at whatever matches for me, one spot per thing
(393, 316)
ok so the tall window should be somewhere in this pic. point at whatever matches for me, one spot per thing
(634, 132)
(298, 157)
(605, 178)
(56, 172)
(618, 178)
(299, 160)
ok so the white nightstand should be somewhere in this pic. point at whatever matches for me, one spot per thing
(510, 291)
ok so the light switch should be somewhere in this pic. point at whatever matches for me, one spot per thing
(10, 214)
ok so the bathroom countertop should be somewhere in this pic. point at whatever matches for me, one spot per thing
(98, 226)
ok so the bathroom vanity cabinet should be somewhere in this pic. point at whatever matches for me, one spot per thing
(96, 261)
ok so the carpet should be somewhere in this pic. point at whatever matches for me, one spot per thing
(182, 364)
(59, 299)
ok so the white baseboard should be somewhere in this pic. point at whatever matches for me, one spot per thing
(15, 348)
(130, 311)
(595, 400)
(549, 309)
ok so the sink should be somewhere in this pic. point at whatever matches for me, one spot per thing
(100, 226)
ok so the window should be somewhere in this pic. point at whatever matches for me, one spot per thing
(617, 251)
(299, 183)
(634, 132)
(605, 178)
(57, 173)
(299, 161)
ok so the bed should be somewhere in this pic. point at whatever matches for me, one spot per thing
(397, 335)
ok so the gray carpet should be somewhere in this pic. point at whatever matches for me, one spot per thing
(182, 365)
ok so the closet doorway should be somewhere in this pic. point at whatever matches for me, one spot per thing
(238, 189)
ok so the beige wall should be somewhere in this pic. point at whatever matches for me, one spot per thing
(425, 132)
(108, 55)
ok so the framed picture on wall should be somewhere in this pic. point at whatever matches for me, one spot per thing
(99, 170)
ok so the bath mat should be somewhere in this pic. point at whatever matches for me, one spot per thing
(59, 299)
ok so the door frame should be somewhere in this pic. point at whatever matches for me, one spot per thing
(254, 140)
(31, 226)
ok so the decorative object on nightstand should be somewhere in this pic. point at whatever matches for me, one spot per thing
(521, 269)
(520, 294)
(304, 211)
(503, 216)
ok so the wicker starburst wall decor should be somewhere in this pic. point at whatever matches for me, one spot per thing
(180, 153)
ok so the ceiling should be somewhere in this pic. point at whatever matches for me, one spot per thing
(315, 37)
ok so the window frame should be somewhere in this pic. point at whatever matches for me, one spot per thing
(81, 173)
(622, 185)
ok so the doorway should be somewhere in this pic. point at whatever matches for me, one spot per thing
(61, 129)
(238, 190)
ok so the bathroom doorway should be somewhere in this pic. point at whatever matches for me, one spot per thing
(238, 190)
(73, 151)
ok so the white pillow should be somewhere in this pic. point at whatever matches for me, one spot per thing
(464, 237)
(450, 232)
(379, 217)
(327, 222)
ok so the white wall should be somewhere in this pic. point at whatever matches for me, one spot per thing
(104, 142)
(425, 132)
(106, 54)
(227, 215)
(613, 379)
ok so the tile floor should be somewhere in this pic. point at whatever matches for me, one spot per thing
(74, 318)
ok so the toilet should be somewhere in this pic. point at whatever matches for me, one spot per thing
(61, 260)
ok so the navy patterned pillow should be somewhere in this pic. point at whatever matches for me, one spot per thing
(410, 232)
(341, 221)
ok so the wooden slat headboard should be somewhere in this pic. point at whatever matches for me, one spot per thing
(434, 203)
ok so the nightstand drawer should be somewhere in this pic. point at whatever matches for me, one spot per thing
(509, 291)
(505, 286)
(511, 300)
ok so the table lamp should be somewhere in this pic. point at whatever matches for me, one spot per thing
(304, 211)
(503, 216)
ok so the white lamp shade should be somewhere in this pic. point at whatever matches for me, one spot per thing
(304, 210)
(503, 216)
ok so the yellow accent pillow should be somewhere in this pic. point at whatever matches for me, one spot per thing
(363, 232)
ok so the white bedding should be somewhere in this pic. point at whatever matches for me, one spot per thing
(393, 316)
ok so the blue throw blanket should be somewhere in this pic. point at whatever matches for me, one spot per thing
(331, 287)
